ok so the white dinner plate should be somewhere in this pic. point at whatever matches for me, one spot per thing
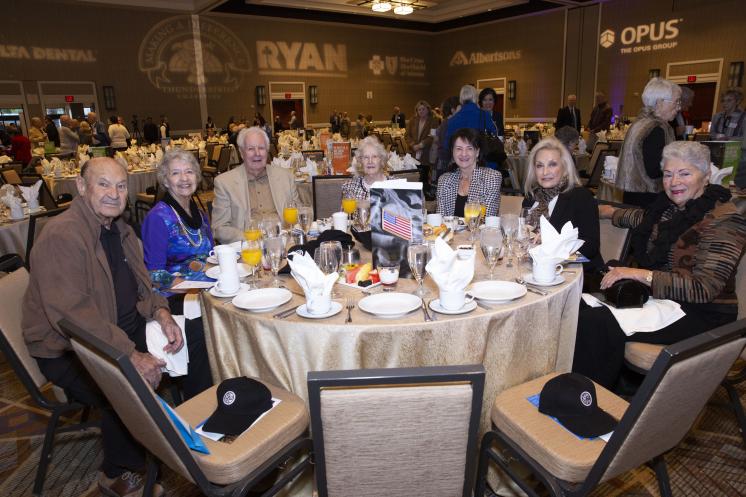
(214, 272)
(390, 305)
(334, 309)
(214, 260)
(497, 291)
(467, 307)
(529, 278)
(262, 299)
(217, 293)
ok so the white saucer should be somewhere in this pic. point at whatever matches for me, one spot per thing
(334, 309)
(467, 307)
(214, 272)
(214, 260)
(217, 293)
(529, 278)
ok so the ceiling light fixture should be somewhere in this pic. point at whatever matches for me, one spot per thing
(403, 9)
(381, 6)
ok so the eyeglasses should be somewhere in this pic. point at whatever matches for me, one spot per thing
(676, 102)
(369, 158)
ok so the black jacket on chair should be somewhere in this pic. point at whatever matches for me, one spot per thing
(579, 207)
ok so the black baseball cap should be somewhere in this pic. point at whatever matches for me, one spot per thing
(240, 402)
(571, 398)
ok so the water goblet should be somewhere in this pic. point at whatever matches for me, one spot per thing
(491, 242)
(251, 254)
(275, 247)
(472, 213)
(417, 257)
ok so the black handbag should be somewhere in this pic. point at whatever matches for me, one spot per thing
(625, 294)
(490, 147)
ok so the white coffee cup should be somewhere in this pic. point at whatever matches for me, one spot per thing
(546, 271)
(453, 300)
(318, 303)
(492, 221)
(434, 219)
(339, 220)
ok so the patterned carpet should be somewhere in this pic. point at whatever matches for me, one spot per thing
(710, 461)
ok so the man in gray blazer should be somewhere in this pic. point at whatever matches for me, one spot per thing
(251, 191)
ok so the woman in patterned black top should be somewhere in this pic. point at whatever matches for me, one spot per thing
(371, 159)
(466, 181)
(687, 245)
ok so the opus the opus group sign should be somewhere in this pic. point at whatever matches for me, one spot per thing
(643, 37)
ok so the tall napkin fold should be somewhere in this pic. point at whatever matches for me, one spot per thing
(309, 277)
(31, 194)
(522, 148)
(654, 315)
(176, 364)
(582, 146)
(4, 159)
(556, 246)
(717, 175)
(410, 162)
(310, 168)
(449, 269)
(10, 199)
(395, 162)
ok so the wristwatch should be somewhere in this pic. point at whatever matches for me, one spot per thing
(649, 278)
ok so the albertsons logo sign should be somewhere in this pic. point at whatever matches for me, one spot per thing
(643, 37)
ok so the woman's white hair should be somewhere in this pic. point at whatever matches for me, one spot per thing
(468, 94)
(244, 133)
(377, 146)
(693, 153)
(177, 155)
(551, 143)
(659, 89)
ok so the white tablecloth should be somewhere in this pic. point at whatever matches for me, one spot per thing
(137, 182)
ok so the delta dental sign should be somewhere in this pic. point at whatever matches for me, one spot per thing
(644, 37)
(46, 53)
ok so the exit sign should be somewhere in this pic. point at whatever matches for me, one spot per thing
(69, 98)
(691, 79)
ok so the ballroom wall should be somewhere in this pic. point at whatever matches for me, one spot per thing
(149, 57)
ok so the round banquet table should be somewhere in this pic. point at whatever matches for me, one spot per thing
(14, 234)
(137, 182)
(516, 342)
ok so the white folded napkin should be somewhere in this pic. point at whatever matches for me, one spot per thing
(654, 315)
(522, 148)
(57, 166)
(46, 166)
(717, 175)
(11, 201)
(556, 246)
(582, 146)
(4, 159)
(353, 166)
(192, 309)
(395, 162)
(310, 168)
(310, 278)
(31, 194)
(601, 137)
(410, 162)
(158, 155)
(610, 167)
(176, 364)
(450, 270)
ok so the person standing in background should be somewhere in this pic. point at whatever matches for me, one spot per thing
(729, 123)
(399, 118)
(569, 115)
(53, 135)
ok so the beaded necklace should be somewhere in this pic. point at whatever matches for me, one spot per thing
(187, 232)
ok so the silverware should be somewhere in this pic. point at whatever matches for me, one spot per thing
(434, 315)
(350, 305)
(531, 288)
(424, 311)
(286, 312)
(300, 294)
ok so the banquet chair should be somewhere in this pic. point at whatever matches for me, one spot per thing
(12, 288)
(401, 145)
(16, 166)
(9, 263)
(11, 176)
(511, 204)
(34, 223)
(144, 201)
(396, 432)
(682, 379)
(408, 174)
(327, 194)
(615, 242)
(596, 164)
(640, 357)
(230, 468)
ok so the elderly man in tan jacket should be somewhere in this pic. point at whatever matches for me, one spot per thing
(88, 268)
(251, 191)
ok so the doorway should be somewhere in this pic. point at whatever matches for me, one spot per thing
(284, 108)
(704, 95)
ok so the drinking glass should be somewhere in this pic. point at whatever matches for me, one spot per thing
(305, 218)
(362, 213)
(251, 230)
(349, 204)
(388, 272)
(326, 258)
(509, 225)
(275, 247)
(251, 254)
(472, 212)
(270, 226)
(417, 257)
(491, 242)
(336, 246)
(290, 214)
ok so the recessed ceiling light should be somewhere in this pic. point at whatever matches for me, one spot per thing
(381, 6)
(403, 9)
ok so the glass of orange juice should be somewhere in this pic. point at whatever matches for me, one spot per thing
(251, 230)
(251, 254)
(472, 212)
(290, 214)
(349, 204)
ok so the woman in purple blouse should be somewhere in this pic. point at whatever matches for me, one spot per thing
(177, 239)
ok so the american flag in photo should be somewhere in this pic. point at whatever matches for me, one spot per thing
(397, 225)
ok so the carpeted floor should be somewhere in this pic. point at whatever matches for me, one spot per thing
(710, 461)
